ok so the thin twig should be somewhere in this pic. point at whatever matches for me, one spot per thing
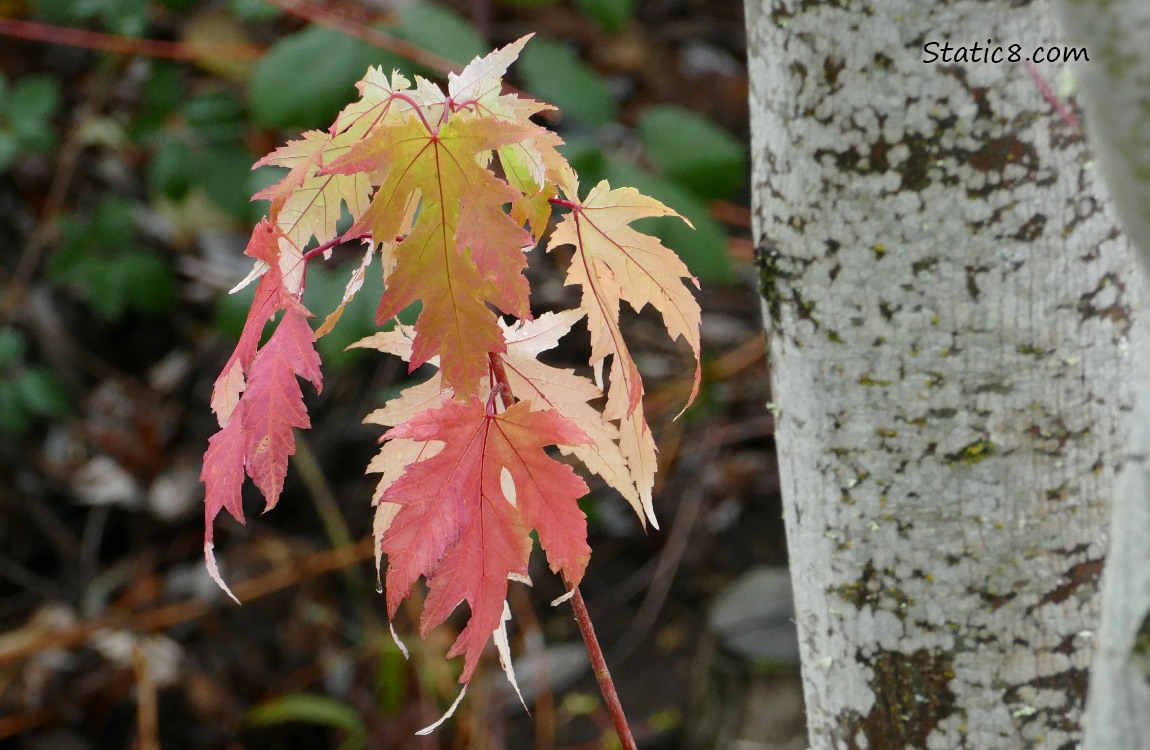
(126, 45)
(602, 674)
(672, 554)
(147, 710)
(335, 526)
(15, 646)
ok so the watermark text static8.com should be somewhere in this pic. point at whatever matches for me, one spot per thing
(945, 52)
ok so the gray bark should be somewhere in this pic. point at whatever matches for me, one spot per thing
(949, 304)
(1115, 91)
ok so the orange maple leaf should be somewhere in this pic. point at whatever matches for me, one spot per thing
(614, 262)
(463, 251)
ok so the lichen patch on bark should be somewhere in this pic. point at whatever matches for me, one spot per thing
(912, 698)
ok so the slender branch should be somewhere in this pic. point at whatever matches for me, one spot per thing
(602, 674)
(27, 642)
(128, 45)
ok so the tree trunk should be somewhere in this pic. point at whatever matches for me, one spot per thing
(1115, 89)
(949, 304)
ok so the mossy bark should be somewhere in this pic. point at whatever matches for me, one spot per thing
(950, 307)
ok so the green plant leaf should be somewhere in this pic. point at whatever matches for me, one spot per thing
(215, 117)
(161, 94)
(170, 169)
(692, 151)
(586, 158)
(440, 30)
(307, 77)
(9, 149)
(11, 348)
(99, 259)
(15, 419)
(325, 288)
(704, 248)
(556, 74)
(42, 392)
(309, 708)
(253, 10)
(612, 15)
(224, 173)
(32, 103)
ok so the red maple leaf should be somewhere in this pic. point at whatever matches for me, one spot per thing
(257, 438)
(463, 527)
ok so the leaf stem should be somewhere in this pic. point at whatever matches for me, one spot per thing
(557, 201)
(602, 674)
(419, 111)
(320, 249)
(499, 375)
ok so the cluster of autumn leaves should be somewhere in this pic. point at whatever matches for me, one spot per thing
(448, 191)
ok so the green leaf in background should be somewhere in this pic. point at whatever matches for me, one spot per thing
(390, 679)
(170, 169)
(311, 708)
(612, 15)
(25, 392)
(26, 109)
(215, 117)
(128, 17)
(308, 77)
(704, 248)
(15, 419)
(325, 287)
(42, 393)
(253, 10)
(11, 348)
(441, 31)
(9, 149)
(99, 259)
(692, 151)
(32, 102)
(557, 76)
(162, 93)
(586, 158)
(224, 173)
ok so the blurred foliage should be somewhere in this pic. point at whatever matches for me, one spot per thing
(693, 152)
(100, 260)
(612, 15)
(312, 708)
(26, 109)
(556, 75)
(26, 391)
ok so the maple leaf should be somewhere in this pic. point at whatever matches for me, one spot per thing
(547, 387)
(462, 485)
(272, 295)
(463, 252)
(460, 527)
(614, 262)
(306, 204)
(258, 438)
